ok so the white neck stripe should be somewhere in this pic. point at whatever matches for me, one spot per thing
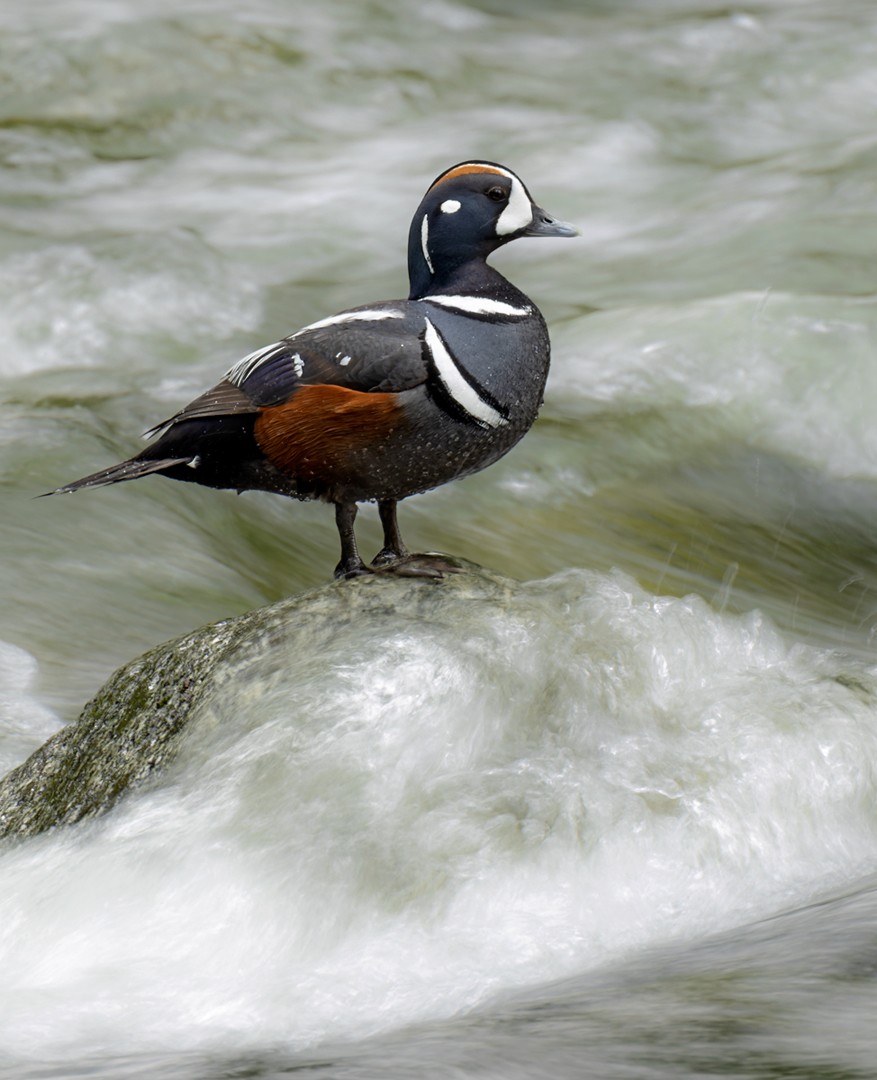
(456, 385)
(479, 305)
(424, 242)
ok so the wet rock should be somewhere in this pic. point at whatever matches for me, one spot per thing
(133, 728)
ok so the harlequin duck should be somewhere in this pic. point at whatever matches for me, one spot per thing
(381, 401)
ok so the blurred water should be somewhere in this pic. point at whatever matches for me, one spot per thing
(180, 185)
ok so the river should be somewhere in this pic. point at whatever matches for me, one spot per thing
(630, 831)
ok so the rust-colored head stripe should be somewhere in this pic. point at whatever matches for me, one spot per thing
(472, 167)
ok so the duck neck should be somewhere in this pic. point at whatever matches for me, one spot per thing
(447, 269)
(469, 275)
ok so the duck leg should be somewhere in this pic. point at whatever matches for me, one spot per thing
(351, 564)
(394, 549)
(394, 558)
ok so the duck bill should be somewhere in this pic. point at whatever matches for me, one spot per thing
(543, 224)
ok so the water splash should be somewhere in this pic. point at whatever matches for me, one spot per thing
(415, 817)
(24, 722)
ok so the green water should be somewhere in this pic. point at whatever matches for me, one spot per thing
(180, 187)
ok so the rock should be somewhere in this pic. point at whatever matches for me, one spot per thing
(133, 728)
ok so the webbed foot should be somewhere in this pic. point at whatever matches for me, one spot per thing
(421, 565)
(350, 568)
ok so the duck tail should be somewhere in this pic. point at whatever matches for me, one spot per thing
(126, 470)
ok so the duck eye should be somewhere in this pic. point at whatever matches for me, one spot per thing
(496, 193)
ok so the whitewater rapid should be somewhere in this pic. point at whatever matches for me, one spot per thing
(428, 815)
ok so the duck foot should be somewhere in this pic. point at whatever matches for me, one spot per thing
(428, 565)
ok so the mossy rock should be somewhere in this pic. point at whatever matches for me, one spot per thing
(133, 728)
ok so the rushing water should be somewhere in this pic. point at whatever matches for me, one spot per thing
(629, 828)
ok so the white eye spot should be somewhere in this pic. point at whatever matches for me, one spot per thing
(450, 206)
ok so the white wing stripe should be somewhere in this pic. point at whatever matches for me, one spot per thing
(243, 369)
(456, 385)
(368, 315)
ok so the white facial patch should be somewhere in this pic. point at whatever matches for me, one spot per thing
(456, 385)
(424, 242)
(478, 305)
(450, 206)
(518, 214)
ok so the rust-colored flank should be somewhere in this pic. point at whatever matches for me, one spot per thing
(312, 436)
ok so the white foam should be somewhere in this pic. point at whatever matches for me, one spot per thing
(794, 375)
(422, 816)
(24, 722)
(70, 305)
